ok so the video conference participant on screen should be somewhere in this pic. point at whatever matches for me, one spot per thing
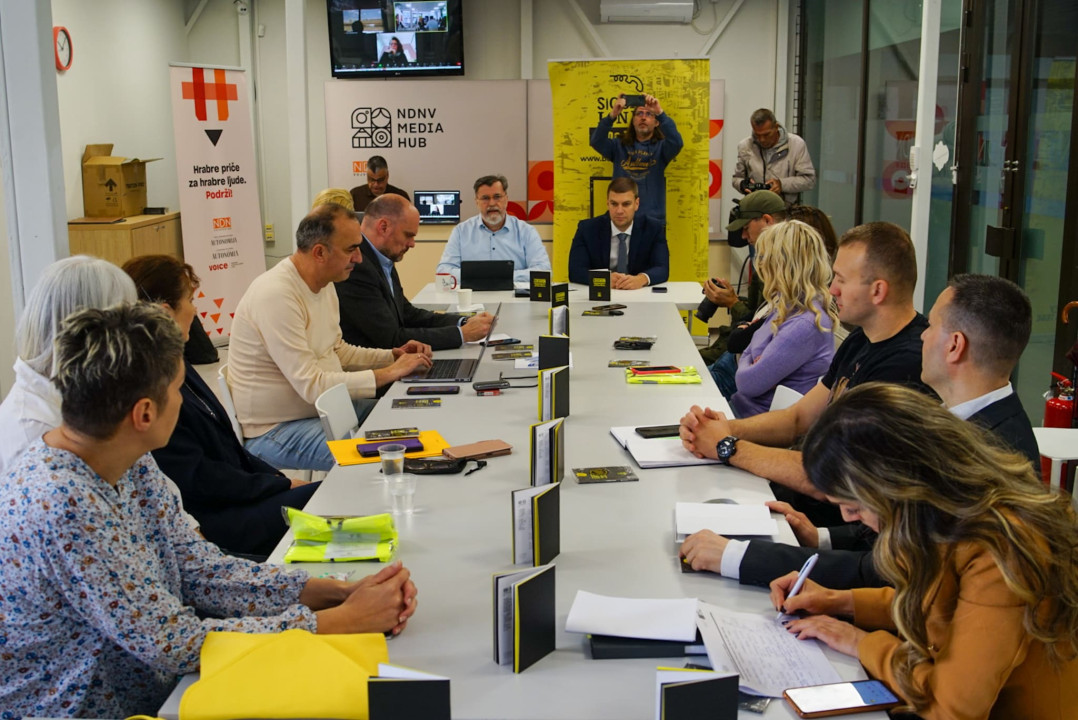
(493, 234)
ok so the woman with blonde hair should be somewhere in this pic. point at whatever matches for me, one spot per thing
(793, 346)
(982, 621)
(334, 196)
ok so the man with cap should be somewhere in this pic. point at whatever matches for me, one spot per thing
(757, 211)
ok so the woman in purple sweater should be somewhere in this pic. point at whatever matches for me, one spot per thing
(794, 344)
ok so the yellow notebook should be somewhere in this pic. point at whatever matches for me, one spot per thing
(345, 452)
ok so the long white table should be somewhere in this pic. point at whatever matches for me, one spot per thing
(686, 295)
(616, 539)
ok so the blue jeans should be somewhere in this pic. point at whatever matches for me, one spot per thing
(724, 371)
(301, 444)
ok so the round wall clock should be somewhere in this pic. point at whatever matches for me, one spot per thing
(61, 45)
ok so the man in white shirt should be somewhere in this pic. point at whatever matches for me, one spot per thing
(286, 347)
(493, 234)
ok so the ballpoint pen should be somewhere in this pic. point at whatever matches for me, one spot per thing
(802, 576)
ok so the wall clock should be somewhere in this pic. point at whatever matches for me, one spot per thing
(61, 46)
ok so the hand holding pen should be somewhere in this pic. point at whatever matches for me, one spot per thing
(799, 582)
(794, 592)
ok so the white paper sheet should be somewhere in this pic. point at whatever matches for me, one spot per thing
(766, 657)
(723, 519)
(673, 619)
(662, 452)
(397, 672)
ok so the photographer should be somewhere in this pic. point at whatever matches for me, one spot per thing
(773, 159)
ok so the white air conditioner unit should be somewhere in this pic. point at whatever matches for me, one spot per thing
(645, 11)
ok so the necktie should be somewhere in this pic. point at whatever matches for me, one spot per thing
(623, 252)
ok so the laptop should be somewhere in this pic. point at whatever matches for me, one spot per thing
(438, 207)
(486, 274)
(460, 370)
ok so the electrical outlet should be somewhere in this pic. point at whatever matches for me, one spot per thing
(269, 232)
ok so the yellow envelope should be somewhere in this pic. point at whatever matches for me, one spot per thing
(291, 674)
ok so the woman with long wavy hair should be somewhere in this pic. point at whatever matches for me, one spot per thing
(982, 621)
(793, 344)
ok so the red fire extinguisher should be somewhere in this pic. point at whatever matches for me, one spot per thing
(1058, 411)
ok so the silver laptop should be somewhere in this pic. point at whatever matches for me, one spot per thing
(460, 370)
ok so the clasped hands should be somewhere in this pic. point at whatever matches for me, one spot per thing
(382, 602)
(621, 281)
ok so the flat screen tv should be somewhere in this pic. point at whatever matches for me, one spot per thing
(389, 38)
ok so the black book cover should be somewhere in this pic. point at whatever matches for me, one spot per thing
(598, 285)
(715, 699)
(390, 698)
(560, 386)
(534, 599)
(553, 351)
(539, 286)
(559, 294)
(546, 523)
(609, 647)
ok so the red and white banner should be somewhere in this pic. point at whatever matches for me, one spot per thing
(218, 183)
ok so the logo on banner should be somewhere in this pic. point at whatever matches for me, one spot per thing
(218, 90)
(374, 128)
(222, 223)
(633, 80)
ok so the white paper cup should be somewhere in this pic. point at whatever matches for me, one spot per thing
(464, 298)
(402, 490)
(392, 457)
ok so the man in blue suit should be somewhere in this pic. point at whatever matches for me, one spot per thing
(628, 242)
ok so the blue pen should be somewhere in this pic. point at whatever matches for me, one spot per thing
(802, 576)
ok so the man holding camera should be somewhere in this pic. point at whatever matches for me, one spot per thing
(645, 148)
(773, 159)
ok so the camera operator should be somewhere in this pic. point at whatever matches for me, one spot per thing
(773, 159)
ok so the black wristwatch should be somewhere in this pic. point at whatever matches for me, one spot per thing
(726, 449)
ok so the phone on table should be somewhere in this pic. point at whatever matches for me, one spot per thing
(658, 431)
(371, 449)
(490, 385)
(658, 288)
(503, 341)
(434, 390)
(845, 698)
(655, 370)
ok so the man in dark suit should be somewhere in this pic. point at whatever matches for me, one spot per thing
(977, 331)
(631, 244)
(374, 311)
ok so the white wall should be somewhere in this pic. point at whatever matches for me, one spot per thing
(7, 307)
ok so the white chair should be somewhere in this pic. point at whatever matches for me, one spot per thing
(784, 397)
(226, 400)
(337, 413)
(1060, 445)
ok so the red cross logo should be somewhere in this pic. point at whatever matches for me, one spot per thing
(200, 91)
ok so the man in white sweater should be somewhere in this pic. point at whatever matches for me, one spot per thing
(286, 347)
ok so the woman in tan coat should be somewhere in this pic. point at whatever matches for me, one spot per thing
(982, 621)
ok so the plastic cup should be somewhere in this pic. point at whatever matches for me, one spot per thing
(392, 457)
(464, 298)
(402, 490)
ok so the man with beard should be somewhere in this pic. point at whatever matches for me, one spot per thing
(774, 157)
(494, 235)
(645, 148)
(374, 310)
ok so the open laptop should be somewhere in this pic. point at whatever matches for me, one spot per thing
(438, 207)
(456, 370)
(486, 274)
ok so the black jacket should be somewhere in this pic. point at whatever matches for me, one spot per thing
(372, 316)
(648, 252)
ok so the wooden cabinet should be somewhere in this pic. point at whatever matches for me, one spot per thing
(133, 236)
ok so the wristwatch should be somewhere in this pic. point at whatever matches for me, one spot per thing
(726, 449)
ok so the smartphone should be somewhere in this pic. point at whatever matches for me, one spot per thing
(503, 341)
(655, 370)
(434, 390)
(634, 101)
(658, 431)
(658, 289)
(371, 449)
(840, 698)
(490, 385)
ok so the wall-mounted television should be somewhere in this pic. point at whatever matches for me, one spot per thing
(389, 38)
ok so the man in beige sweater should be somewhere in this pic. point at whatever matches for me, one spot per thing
(286, 347)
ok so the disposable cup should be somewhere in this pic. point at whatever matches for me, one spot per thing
(392, 457)
(402, 490)
(464, 298)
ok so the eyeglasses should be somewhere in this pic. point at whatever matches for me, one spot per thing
(486, 199)
(644, 113)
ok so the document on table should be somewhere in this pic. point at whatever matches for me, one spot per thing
(671, 619)
(723, 519)
(767, 658)
(662, 452)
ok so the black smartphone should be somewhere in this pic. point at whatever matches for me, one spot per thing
(658, 431)
(434, 390)
(840, 698)
(634, 101)
(658, 289)
(490, 384)
(503, 341)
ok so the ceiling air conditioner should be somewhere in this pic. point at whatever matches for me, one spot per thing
(645, 11)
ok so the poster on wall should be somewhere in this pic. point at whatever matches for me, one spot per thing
(434, 135)
(219, 206)
(584, 93)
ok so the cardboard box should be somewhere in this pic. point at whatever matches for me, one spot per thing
(112, 186)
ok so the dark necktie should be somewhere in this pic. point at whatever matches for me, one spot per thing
(623, 252)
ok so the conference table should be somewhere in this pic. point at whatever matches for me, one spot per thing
(685, 295)
(617, 539)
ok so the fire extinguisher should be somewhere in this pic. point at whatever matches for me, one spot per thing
(1058, 411)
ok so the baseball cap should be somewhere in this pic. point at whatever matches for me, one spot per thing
(754, 205)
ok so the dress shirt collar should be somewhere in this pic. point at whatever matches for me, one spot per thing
(614, 230)
(384, 262)
(966, 410)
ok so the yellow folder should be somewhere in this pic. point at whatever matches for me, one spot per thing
(345, 452)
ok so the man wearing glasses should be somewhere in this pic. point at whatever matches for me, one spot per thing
(773, 159)
(493, 234)
(645, 148)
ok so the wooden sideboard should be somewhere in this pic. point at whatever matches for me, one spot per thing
(133, 236)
